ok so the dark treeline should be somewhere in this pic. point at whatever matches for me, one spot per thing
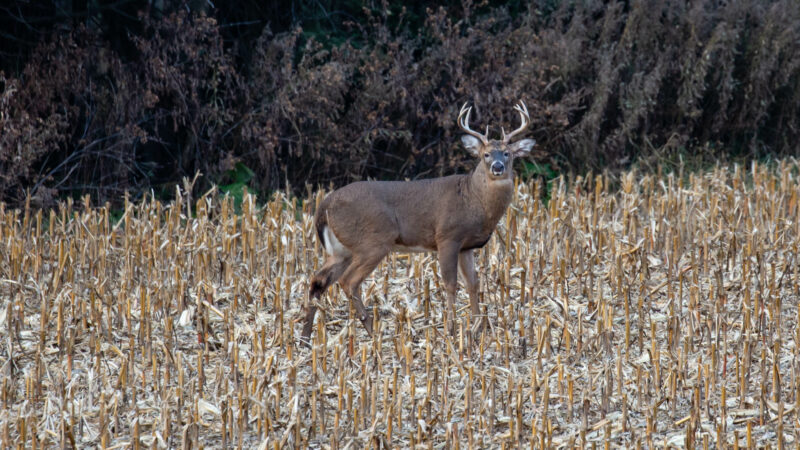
(103, 97)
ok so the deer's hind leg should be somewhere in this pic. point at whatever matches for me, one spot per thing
(330, 272)
(363, 264)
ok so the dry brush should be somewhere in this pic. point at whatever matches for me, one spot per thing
(660, 313)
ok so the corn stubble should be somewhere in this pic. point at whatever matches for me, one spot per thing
(660, 314)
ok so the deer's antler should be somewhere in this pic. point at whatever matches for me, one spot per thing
(463, 122)
(524, 118)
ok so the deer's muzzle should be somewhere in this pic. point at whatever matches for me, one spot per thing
(498, 168)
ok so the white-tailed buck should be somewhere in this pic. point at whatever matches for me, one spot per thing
(362, 222)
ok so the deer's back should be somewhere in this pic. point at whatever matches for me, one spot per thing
(409, 214)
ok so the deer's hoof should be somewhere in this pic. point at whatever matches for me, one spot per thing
(480, 325)
(305, 337)
(478, 328)
(451, 329)
(316, 289)
(367, 321)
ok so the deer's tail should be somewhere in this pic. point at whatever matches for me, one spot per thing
(338, 255)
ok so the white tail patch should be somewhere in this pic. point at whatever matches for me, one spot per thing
(332, 244)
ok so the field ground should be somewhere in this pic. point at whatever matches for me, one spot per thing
(663, 313)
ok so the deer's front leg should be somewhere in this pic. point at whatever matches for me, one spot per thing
(448, 264)
(466, 262)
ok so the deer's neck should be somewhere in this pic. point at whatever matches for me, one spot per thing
(494, 196)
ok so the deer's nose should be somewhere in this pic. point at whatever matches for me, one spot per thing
(498, 168)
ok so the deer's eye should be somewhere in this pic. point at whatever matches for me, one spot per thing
(505, 154)
(486, 155)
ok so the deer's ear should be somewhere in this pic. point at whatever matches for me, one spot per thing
(472, 144)
(523, 147)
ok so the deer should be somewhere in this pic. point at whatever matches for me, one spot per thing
(361, 223)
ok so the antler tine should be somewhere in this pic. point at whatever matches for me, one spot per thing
(463, 122)
(524, 117)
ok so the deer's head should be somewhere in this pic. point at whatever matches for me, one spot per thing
(497, 156)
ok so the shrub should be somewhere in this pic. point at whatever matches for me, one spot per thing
(81, 119)
(69, 121)
(388, 109)
(608, 84)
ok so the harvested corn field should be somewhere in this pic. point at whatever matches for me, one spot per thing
(662, 313)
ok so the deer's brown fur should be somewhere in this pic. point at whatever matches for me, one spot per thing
(363, 222)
